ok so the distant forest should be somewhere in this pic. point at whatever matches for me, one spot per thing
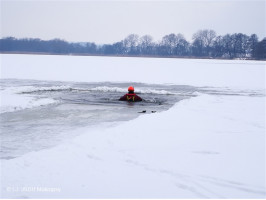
(205, 44)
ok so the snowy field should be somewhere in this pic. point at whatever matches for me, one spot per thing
(210, 144)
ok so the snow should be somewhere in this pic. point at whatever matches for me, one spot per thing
(216, 155)
(220, 73)
(10, 100)
(208, 146)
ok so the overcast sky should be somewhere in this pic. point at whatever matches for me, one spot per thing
(111, 21)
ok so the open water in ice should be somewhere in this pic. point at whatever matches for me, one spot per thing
(40, 114)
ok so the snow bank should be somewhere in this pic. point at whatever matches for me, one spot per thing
(204, 147)
(11, 100)
(219, 73)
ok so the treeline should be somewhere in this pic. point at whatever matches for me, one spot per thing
(205, 44)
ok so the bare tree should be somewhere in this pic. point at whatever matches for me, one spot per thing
(203, 41)
(252, 44)
(182, 46)
(130, 43)
(260, 51)
(218, 47)
(146, 44)
(169, 43)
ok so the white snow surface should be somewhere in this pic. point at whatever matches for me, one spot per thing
(195, 72)
(209, 146)
(194, 150)
(11, 100)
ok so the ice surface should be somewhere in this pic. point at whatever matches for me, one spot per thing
(209, 146)
(221, 73)
(27, 126)
(205, 147)
(10, 100)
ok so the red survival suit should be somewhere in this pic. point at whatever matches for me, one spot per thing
(130, 97)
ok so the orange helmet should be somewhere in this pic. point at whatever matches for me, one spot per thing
(130, 88)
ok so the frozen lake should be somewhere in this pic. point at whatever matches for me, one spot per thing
(64, 130)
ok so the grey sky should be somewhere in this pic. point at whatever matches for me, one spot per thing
(111, 21)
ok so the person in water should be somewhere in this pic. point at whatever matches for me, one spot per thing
(130, 96)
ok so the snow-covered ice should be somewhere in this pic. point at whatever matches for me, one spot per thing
(208, 146)
(11, 101)
(221, 73)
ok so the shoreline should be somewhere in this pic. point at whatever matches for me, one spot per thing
(119, 55)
